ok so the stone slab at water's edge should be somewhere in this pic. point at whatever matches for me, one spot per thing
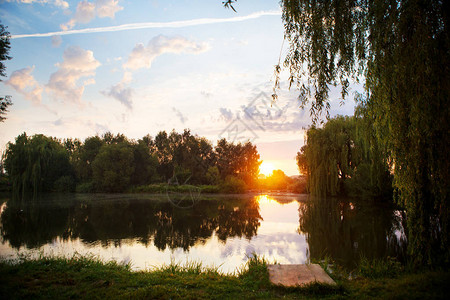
(298, 275)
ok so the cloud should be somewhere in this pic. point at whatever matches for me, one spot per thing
(59, 122)
(107, 8)
(86, 12)
(206, 94)
(59, 3)
(56, 41)
(134, 26)
(121, 93)
(179, 115)
(24, 83)
(226, 113)
(143, 56)
(77, 63)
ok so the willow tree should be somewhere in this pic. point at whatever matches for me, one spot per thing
(326, 158)
(401, 50)
(343, 158)
(5, 46)
(36, 164)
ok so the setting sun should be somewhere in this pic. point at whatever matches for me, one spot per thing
(266, 168)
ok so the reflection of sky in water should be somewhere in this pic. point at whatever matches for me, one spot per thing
(277, 240)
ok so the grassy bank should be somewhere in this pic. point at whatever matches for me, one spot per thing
(87, 277)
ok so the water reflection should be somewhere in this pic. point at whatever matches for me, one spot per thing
(346, 230)
(219, 230)
(109, 221)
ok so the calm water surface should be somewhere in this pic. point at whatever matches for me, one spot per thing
(149, 230)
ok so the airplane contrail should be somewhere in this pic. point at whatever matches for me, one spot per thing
(134, 26)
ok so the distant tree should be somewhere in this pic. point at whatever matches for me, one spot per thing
(145, 163)
(225, 158)
(213, 175)
(35, 163)
(247, 163)
(240, 160)
(113, 167)
(278, 180)
(165, 156)
(84, 157)
(5, 46)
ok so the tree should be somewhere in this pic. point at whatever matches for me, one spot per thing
(278, 180)
(144, 163)
(343, 158)
(239, 160)
(34, 164)
(5, 101)
(84, 157)
(113, 167)
(402, 51)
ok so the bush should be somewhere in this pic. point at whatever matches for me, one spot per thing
(233, 185)
(379, 268)
(298, 186)
(210, 189)
(64, 184)
(87, 187)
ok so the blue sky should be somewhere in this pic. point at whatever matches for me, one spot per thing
(179, 64)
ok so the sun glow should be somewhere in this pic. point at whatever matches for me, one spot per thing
(266, 168)
(264, 199)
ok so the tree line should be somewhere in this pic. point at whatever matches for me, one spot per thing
(115, 163)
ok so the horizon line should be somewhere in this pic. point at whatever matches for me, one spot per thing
(147, 25)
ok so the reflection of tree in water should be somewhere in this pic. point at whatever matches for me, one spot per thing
(346, 230)
(111, 221)
(35, 224)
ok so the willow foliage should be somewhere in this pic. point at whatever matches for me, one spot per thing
(402, 50)
(35, 163)
(343, 158)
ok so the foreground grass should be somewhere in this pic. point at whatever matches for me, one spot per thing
(88, 277)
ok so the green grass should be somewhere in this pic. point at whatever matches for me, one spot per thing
(91, 278)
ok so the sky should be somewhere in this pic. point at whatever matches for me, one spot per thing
(82, 68)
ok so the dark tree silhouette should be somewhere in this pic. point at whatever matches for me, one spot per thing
(5, 101)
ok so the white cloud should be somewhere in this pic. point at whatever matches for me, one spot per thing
(77, 63)
(24, 83)
(86, 12)
(107, 8)
(59, 3)
(143, 56)
(127, 77)
(121, 93)
(147, 25)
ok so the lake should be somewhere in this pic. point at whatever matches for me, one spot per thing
(217, 230)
